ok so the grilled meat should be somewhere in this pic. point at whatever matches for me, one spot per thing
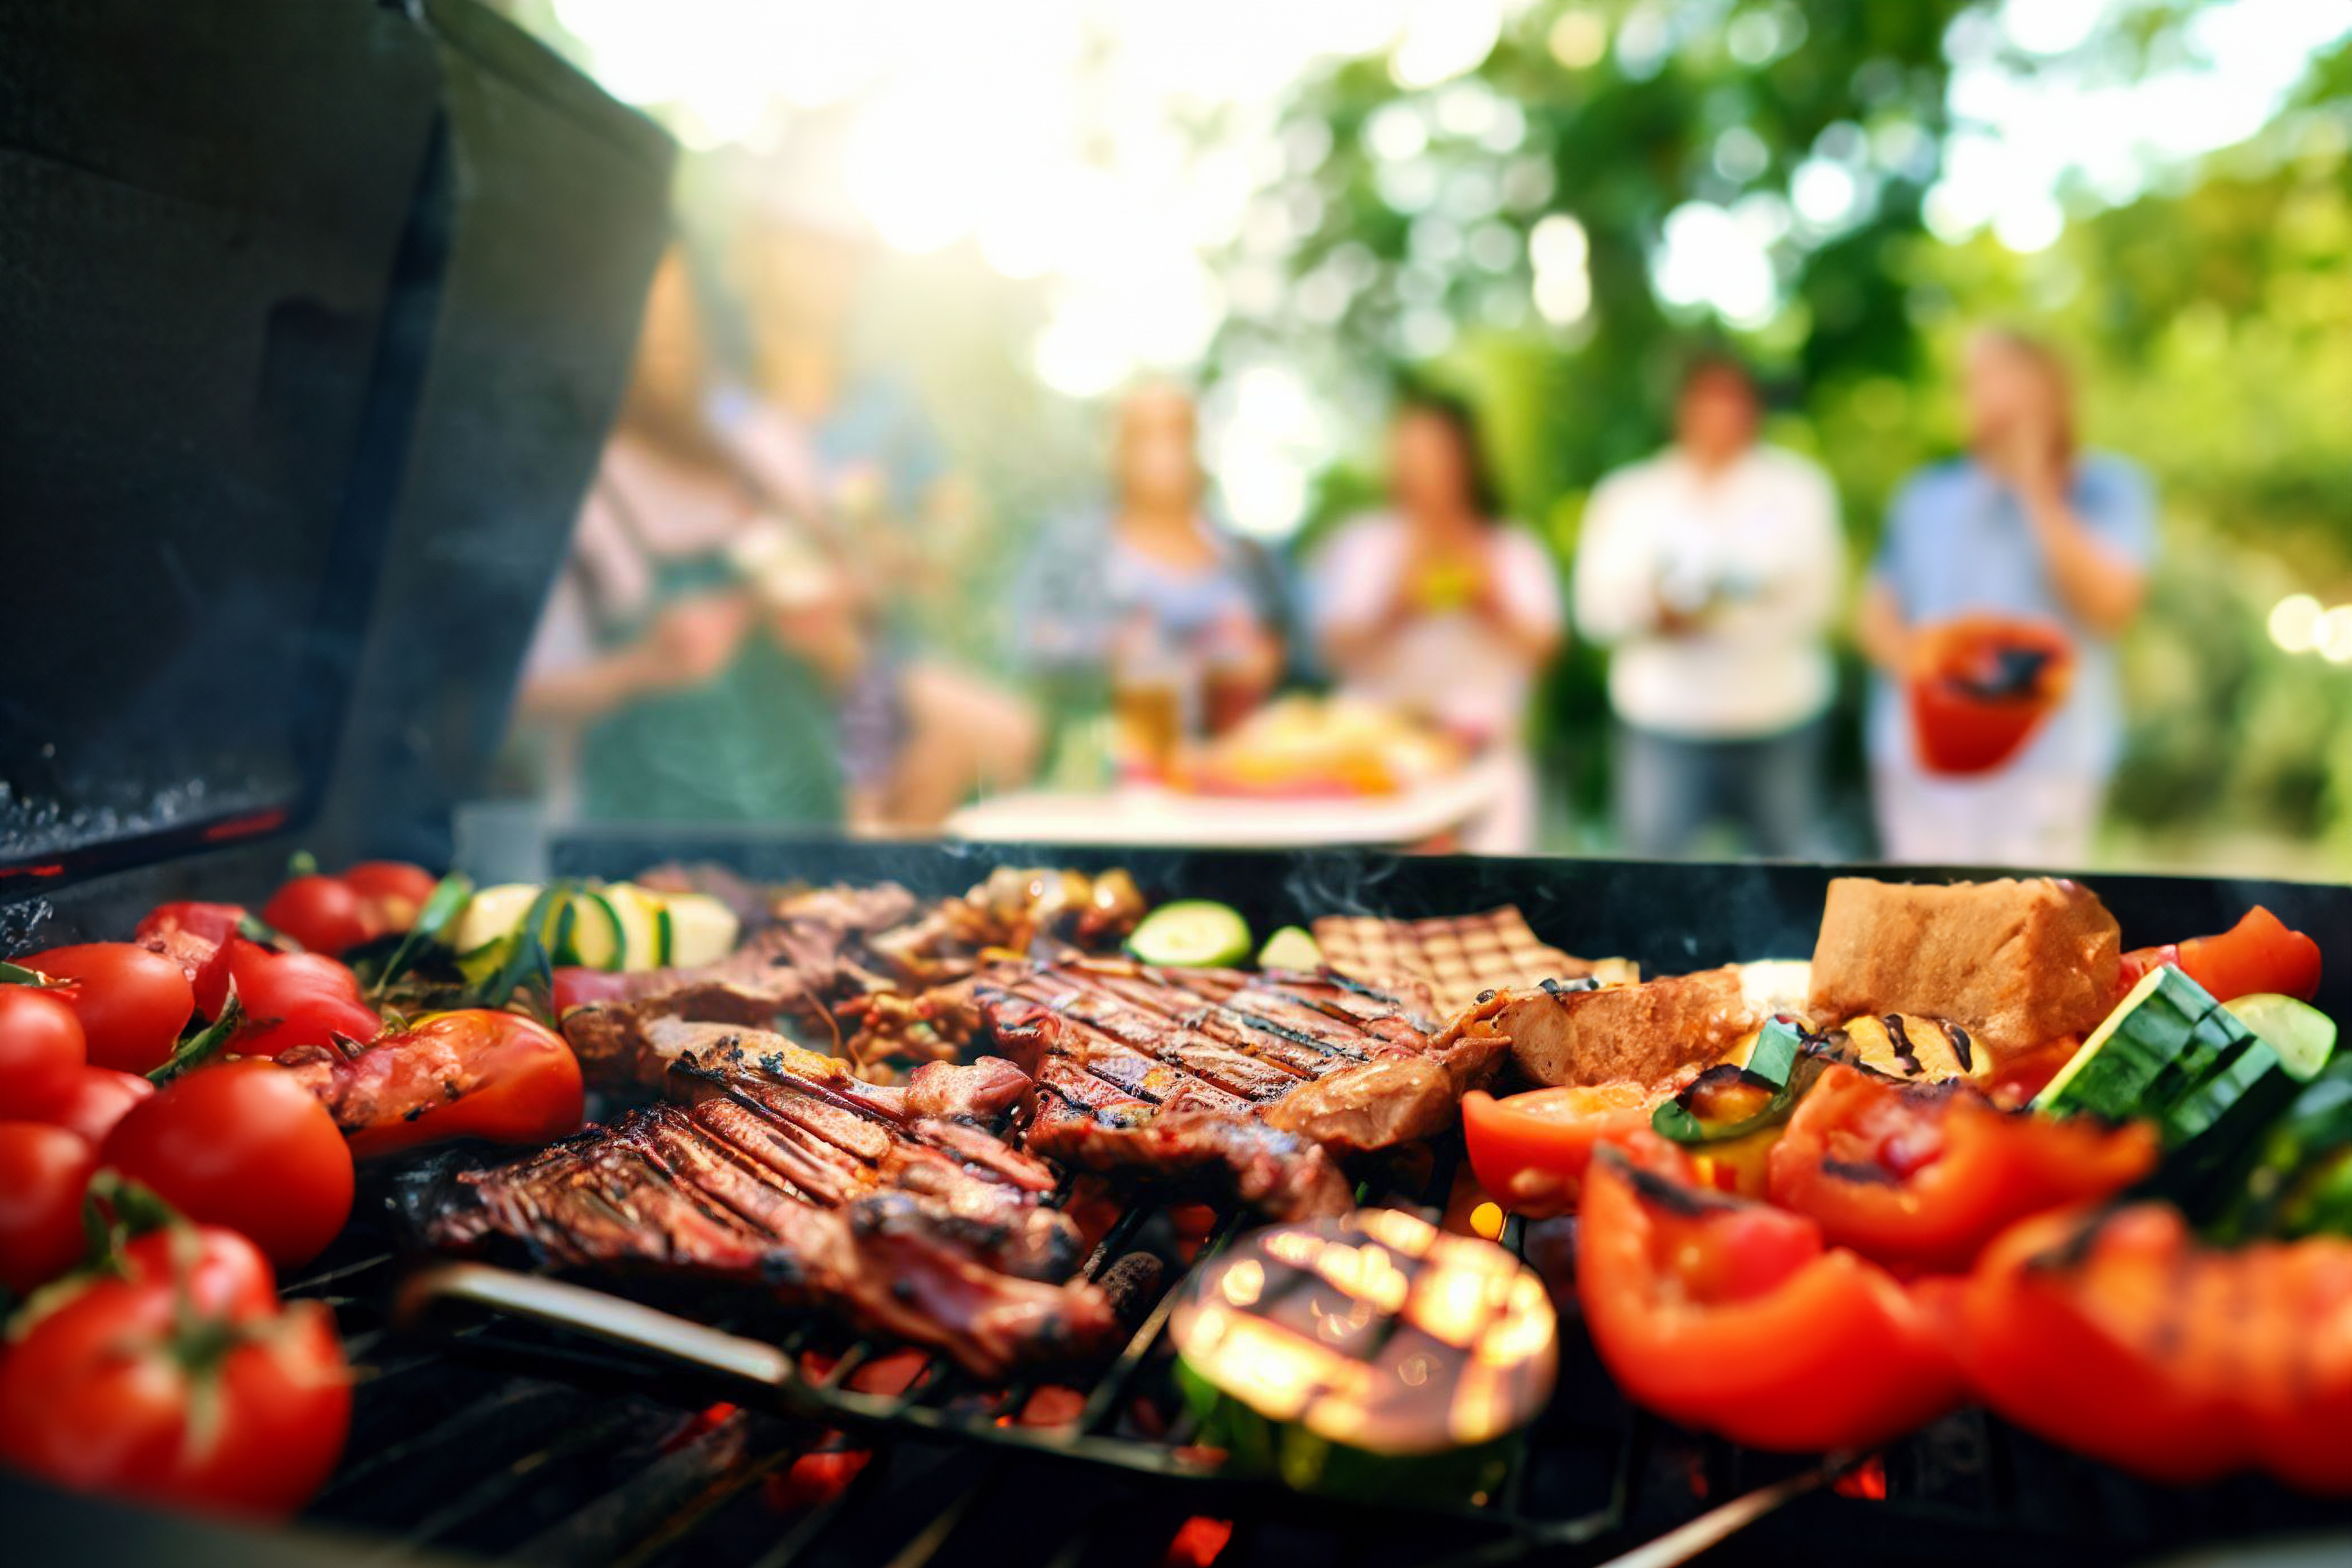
(1647, 1032)
(859, 955)
(787, 971)
(2016, 964)
(1455, 957)
(1250, 1085)
(773, 1166)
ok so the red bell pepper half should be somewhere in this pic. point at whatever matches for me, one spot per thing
(1734, 1316)
(1925, 1175)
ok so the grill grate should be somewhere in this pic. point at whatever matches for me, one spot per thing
(559, 1425)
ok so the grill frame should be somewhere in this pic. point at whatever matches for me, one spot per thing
(448, 1398)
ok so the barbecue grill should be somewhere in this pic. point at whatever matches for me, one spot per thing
(507, 1417)
(445, 381)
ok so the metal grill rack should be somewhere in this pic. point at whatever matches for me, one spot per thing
(513, 1416)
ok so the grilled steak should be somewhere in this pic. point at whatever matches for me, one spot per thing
(2016, 964)
(1249, 1085)
(853, 955)
(773, 1166)
(787, 971)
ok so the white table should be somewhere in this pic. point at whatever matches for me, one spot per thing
(1149, 815)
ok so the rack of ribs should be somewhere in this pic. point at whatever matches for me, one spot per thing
(1253, 1087)
(770, 1166)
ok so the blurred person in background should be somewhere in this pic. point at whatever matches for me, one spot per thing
(681, 668)
(1152, 590)
(2025, 525)
(853, 454)
(1439, 607)
(1712, 571)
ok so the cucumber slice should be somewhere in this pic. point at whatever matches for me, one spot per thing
(493, 913)
(702, 929)
(596, 932)
(1192, 934)
(640, 916)
(2160, 1039)
(2303, 1036)
(1292, 947)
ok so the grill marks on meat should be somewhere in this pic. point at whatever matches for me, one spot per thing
(1247, 1085)
(785, 971)
(770, 1166)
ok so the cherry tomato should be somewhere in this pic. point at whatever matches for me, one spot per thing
(295, 999)
(322, 913)
(100, 1098)
(43, 1171)
(42, 1052)
(220, 1267)
(196, 936)
(132, 1003)
(179, 1385)
(390, 893)
(245, 1145)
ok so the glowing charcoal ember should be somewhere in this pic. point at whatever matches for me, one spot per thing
(1365, 1352)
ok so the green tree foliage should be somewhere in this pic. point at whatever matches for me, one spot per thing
(2211, 321)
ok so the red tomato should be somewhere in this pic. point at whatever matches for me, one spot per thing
(195, 935)
(100, 1098)
(42, 1053)
(44, 1172)
(390, 893)
(470, 1074)
(1732, 1316)
(1925, 1175)
(322, 913)
(132, 1003)
(222, 1267)
(295, 999)
(242, 1144)
(190, 1390)
(1530, 1151)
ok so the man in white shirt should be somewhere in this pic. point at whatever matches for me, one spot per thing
(1713, 570)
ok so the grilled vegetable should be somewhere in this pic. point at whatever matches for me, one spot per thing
(2171, 1054)
(611, 927)
(1367, 1354)
(2299, 1182)
(1735, 1317)
(1192, 933)
(2118, 1335)
(2259, 953)
(1292, 947)
(1727, 1102)
(1903, 1045)
(1925, 1175)
(1530, 1151)
(2304, 1037)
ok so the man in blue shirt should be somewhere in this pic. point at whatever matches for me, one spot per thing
(2024, 525)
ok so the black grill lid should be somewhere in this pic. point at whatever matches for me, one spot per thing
(316, 316)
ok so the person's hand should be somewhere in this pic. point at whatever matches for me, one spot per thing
(695, 638)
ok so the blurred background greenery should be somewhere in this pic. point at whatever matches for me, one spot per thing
(1545, 210)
